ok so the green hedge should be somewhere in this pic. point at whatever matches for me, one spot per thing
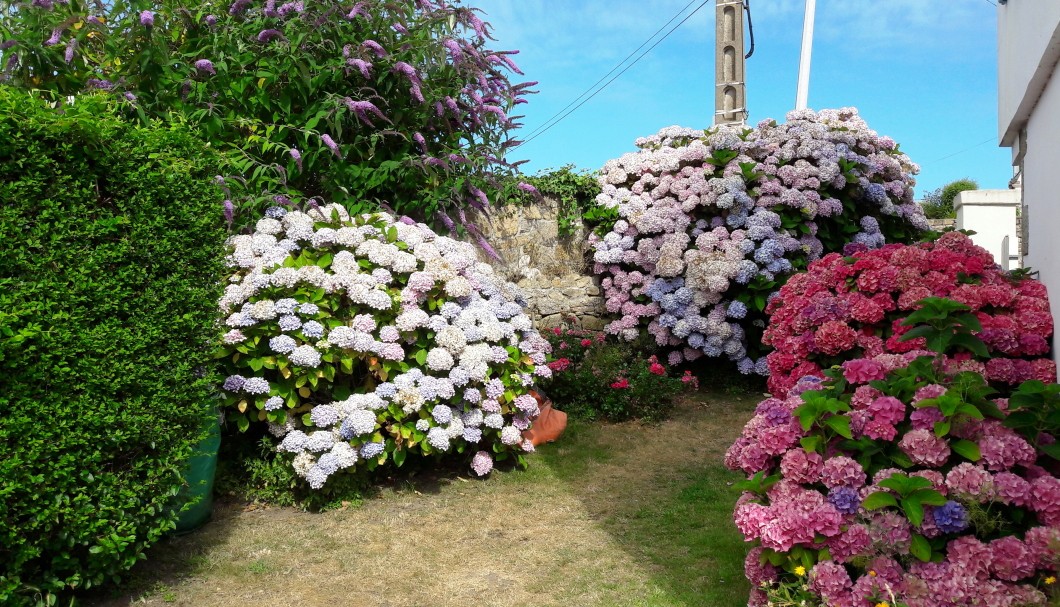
(111, 243)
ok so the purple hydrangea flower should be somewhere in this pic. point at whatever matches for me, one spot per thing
(845, 499)
(233, 383)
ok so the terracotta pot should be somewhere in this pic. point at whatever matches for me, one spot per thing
(549, 424)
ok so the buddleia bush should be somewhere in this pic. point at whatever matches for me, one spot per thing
(370, 102)
(361, 340)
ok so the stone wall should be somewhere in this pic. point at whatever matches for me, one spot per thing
(550, 268)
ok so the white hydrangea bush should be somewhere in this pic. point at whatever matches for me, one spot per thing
(363, 339)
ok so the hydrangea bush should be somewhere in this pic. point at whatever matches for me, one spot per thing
(363, 339)
(898, 480)
(710, 223)
(844, 307)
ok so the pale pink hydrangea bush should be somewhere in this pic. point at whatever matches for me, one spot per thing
(361, 340)
(712, 222)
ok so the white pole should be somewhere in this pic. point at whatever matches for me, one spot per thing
(804, 60)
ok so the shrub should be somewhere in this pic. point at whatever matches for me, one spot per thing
(938, 203)
(846, 307)
(362, 340)
(897, 481)
(593, 378)
(108, 286)
(711, 223)
(367, 102)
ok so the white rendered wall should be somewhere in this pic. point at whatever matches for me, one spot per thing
(992, 215)
(1028, 50)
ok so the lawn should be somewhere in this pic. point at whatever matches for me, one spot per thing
(613, 514)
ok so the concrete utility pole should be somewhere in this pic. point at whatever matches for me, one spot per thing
(730, 89)
(804, 61)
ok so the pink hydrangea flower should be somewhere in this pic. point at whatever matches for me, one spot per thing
(924, 448)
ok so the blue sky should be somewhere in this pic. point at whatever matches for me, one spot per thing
(921, 71)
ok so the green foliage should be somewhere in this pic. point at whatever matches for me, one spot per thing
(108, 286)
(594, 378)
(415, 123)
(575, 192)
(938, 203)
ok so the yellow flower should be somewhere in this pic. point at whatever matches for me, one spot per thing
(883, 605)
(872, 573)
(1050, 580)
(800, 571)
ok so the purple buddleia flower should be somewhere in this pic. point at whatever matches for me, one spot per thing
(129, 96)
(269, 35)
(205, 66)
(71, 48)
(454, 49)
(362, 66)
(96, 83)
(54, 38)
(230, 211)
(211, 21)
(297, 156)
(399, 28)
(447, 221)
(363, 108)
(6, 44)
(238, 7)
(270, 9)
(373, 46)
(291, 7)
(45, 4)
(409, 72)
(438, 162)
(487, 248)
(526, 187)
(480, 197)
(416, 93)
(420, 141)
(281, 199)
(147, 18)
(334, 147)
(356, 11)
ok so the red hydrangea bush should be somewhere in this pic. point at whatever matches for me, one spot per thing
(895, 480)
(846, 307)
(709, 223)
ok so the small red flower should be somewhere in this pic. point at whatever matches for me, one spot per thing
(587, 342)
(621, 384)
(557, 330)
(559, 364)
(657, 369)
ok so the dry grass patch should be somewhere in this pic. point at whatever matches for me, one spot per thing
(614, 514)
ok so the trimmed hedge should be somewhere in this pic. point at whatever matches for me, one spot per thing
(112, 248)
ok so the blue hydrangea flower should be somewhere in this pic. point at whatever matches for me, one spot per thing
(313, 329)
(256, 385)
(370, 450)
(308, 309)
(274, 403)
(233, 383)
(951, 517)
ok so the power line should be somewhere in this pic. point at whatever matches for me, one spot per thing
(545, 125)
(962, 151)
(992, 2)
(551, 122)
